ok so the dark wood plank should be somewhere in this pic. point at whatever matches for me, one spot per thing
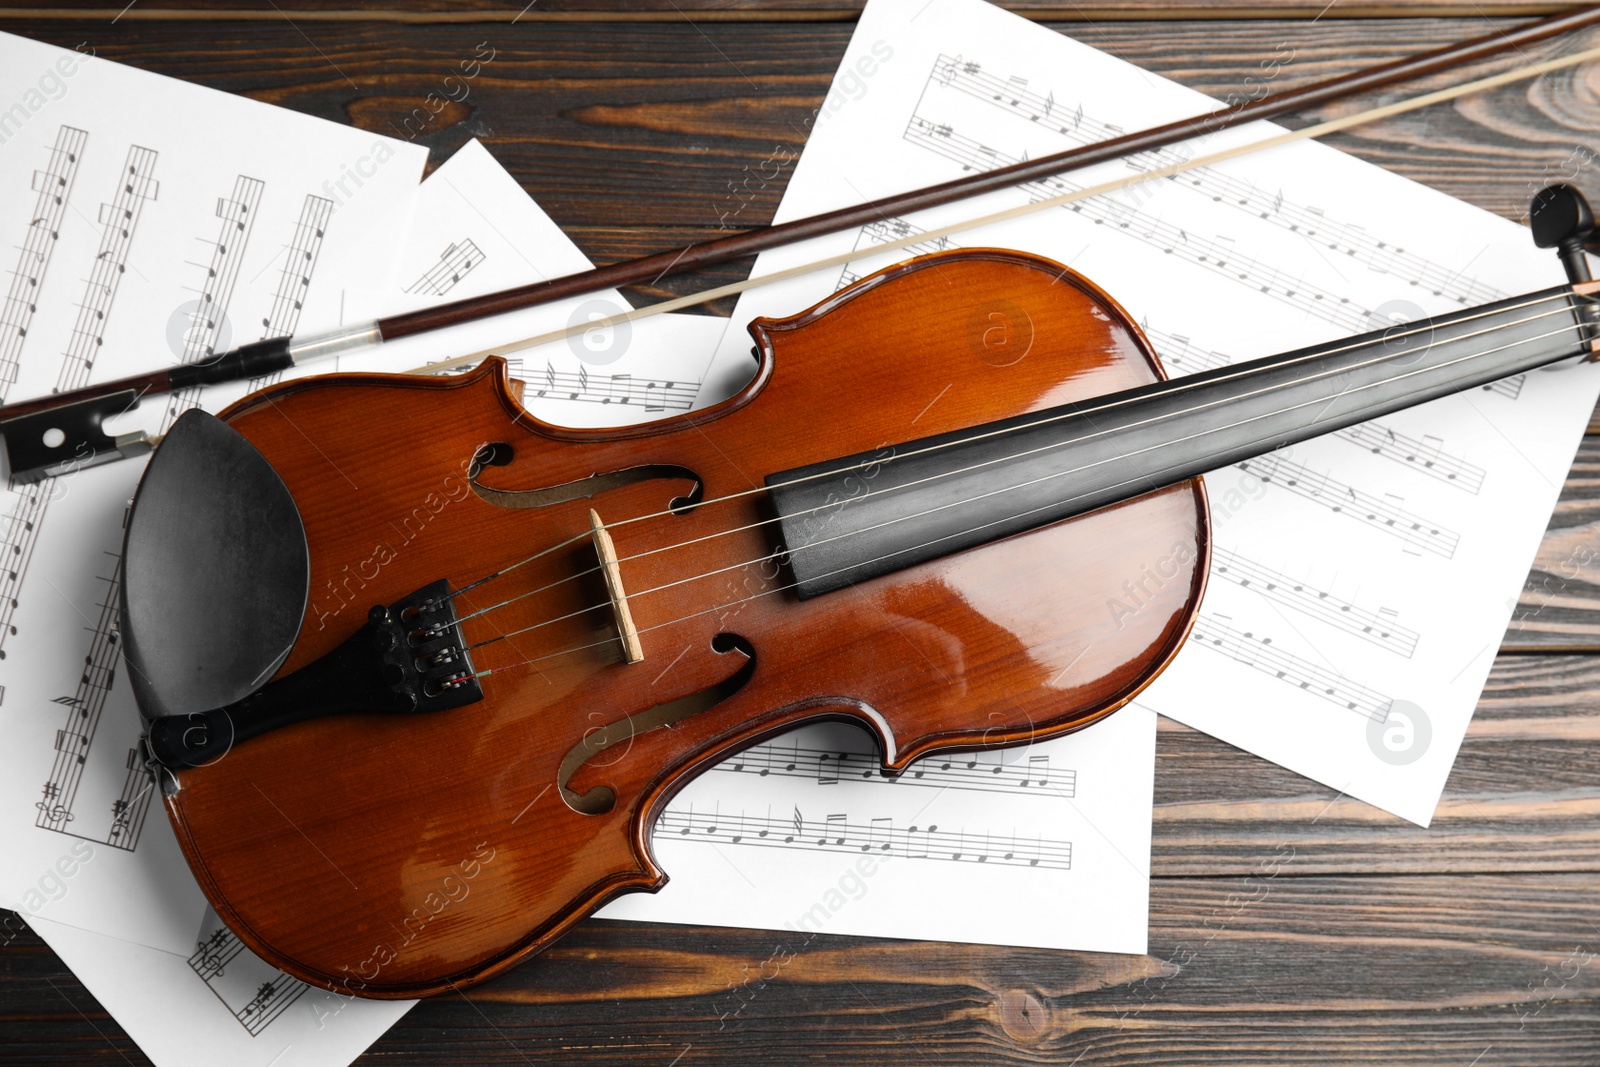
(1268, 968)
(507, 11)
(652, 136)
(1560, 605)
(645, 134)
(1372, 935)
(1524, 794)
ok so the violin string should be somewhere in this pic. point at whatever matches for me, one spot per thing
(1106, 404)
(1044, 478)
(1007, 459)
(794, 585)
(1183, 386)
(838, 570)
(968, 500)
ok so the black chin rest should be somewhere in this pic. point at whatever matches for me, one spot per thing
(215, 572)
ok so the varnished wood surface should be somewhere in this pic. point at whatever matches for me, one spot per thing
(972, 662)
(1377, 943)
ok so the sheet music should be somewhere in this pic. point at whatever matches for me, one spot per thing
(153, 222)
(802, 834)
(455, 262)
(1363, 579)
(478, 233)
(220, 1005)
(167, 222)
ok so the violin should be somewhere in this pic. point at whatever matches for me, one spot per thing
(419, 671)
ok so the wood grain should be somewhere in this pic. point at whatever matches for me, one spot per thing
(1449, 944)
(1259, 969)
(582, 118)
(488, 12)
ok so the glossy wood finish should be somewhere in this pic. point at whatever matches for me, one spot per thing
(397, 856)
(1380, 941)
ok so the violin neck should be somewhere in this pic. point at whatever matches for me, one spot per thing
(856, 517)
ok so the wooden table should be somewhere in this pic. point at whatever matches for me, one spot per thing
(640, 124)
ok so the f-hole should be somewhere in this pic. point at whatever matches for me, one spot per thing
(499, 453)
(602, 798)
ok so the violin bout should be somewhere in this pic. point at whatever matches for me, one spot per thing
(402, 852)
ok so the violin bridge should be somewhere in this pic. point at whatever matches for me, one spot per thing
(632, 651)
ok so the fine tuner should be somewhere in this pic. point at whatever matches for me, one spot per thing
(495, 696)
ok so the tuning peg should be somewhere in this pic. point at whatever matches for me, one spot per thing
(1561, 219)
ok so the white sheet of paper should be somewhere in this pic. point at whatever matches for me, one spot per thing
(239, 1012)
(478, 233)
(1362, 580)
(802, 834)
(151, 221)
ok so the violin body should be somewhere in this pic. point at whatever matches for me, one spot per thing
(403, 855)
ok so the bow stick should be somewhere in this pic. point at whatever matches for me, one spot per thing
(1321, 129)
(57, 434)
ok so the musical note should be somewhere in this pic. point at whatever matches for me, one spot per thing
(1039, 775)
(1510, 388)
(53, 186)
(1345, 500)
(1376, 627)
(1182, 356)
(986, 772)
(1425, 456)
(1348, 239)
(843, 832)
(621, 389)
(455, 262)
(890, 230)
(1259, 653)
